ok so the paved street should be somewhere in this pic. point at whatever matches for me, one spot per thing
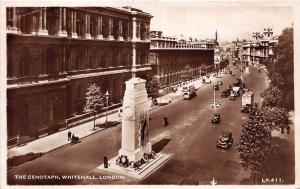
(190, 136)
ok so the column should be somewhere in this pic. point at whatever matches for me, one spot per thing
(89, 24)
(110, 29)
(59, 20)
(87, 34)
(42, 22)
(73, 25)
(33, 24)
(138, 31)
(19, 23)
(99, 28)
(8, 17)
(64, 20)
(128, 31)
(14, 19)
(120, 37)
(72, 21)
(40, 31)
(45, 22)
(61, 23)
(134, 29)
(133, 67)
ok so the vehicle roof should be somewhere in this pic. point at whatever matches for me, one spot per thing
(236, 88)
(248, 93)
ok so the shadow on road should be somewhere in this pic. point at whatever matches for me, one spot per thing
(157, 147)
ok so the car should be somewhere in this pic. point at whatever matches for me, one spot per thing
(163, 101)
(245, 109)
(225, 93)
(225, 140)
(216, 87)
(216, 118)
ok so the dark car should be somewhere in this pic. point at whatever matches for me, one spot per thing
(238, 82)
(225, 140)
(216, 118)
(225, 93)
(246, 109)
(216, 87)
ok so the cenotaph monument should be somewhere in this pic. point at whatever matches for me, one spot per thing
(135, 121)
(136, 158)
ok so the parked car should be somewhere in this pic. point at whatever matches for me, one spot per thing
(216, 118)
(225, 93)
(163, 101)
(225, 140)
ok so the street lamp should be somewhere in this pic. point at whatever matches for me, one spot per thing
(107, 97)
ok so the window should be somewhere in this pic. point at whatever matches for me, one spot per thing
(25, 67)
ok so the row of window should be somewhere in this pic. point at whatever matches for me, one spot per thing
(52, 61)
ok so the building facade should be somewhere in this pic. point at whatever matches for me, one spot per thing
(170, 56)
(55, 53)
(260, 48)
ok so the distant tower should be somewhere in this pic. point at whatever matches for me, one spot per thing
(268, 32)
(216, 35)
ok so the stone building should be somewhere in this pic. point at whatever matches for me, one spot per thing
(55, 53)
(260, 48)
(170, 56)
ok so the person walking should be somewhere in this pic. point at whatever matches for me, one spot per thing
(69, 135)
(105, 162)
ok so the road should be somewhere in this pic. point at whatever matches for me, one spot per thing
(190, 136)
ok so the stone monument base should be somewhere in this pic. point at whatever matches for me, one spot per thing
(143, 171)
(136, 154)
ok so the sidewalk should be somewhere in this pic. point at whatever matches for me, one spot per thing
(59, 139)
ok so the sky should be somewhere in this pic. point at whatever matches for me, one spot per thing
(232, 20)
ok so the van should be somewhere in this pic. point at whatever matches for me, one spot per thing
(188, 92)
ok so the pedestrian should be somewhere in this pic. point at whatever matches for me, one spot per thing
(69, 135)
(105, 162)
(288, 129)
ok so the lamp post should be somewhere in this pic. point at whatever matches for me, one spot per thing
(107, 97)
(214, 94)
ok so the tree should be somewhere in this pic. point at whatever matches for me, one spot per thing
(277, 80)
(186, 73)
(95, 100)
(283, 66)
(275, 118)
(271, 96)
(152, 87)
(255, 146)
